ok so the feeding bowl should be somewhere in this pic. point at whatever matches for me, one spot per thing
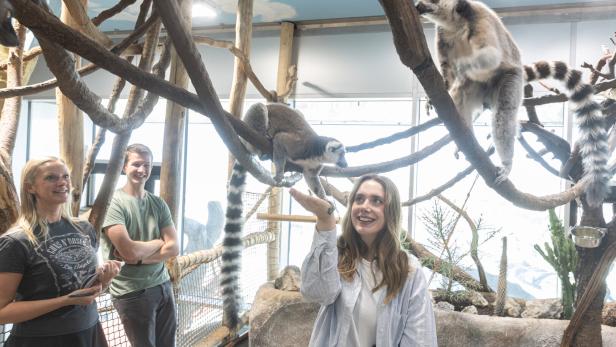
(587, 237)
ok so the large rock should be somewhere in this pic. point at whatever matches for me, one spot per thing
(280, 318)
(543, 308)
(609, 314)
(457, 329)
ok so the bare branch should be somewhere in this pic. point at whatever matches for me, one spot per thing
(84, 71)
(536, 157)
(80, 17)
(438, 190)
(27, 56)
(112, 11)
(395, 137)
(245, 62)
(388, 165)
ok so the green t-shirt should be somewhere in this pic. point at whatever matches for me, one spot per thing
(143, 219)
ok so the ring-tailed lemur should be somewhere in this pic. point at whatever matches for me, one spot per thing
(8, 36)
(482, 67)
(292, 140)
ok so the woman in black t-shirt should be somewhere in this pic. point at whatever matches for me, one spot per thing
(48, 274)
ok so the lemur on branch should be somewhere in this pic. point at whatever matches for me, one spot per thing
(481, 65)
(293, 140)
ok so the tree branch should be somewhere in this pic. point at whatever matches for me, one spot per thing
(395, 137)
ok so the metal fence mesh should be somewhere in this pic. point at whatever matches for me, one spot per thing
(198, 300)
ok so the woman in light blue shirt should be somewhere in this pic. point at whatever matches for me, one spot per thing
(372, 293)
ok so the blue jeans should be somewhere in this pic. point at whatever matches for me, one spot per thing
(148, 316)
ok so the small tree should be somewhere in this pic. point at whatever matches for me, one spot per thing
(563, 258)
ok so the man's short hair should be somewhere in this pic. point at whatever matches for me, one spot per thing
(139, 149)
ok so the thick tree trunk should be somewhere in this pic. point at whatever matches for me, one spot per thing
(70, 121)
(588, 333)
(285, 54)
(243, 38)
(175, 118)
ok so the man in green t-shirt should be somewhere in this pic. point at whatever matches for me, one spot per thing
(138, 229)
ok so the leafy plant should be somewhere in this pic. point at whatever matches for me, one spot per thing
(563, 258)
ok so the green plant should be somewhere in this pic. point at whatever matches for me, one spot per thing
(563, 258)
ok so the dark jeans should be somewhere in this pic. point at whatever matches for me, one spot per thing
(148, 316)
(91, 337)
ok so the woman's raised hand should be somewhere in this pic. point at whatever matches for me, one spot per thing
(322, 209)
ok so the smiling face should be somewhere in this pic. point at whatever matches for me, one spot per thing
(51, 184)
(368, 211)
(137, 168)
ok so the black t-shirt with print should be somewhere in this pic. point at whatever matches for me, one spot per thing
(58, 265)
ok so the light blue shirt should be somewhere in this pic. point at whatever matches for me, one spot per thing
(407, 320)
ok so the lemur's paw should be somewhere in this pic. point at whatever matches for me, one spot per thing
(456, 153)
(287, 181)
(502, 174)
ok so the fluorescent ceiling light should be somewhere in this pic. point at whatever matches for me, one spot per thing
(202, 9)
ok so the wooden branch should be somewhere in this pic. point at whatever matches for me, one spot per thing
(438, 190)
(553, 99)
(395, 137)
(411, 47)
(243, 61)
(84, 71)
(552, 142)
(536, 157)
(9, 121)
(112, 11)
(288, 218)
(388, 165)
(531, 111)
(596, 281)
(27, 56)
(11, 109)
(79, 15)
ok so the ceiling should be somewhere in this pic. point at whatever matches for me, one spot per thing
(287, 10)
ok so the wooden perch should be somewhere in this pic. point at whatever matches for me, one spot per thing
(288, 218)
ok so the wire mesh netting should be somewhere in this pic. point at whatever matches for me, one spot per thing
(198, 300)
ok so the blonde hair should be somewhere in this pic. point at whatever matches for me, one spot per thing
(390, 259)
(29, 219)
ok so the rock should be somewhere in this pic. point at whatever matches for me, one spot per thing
(477, 299)
(609, 314)
(280, 318)
(512, 308)
(457, 329)
(470, 309)
(444, 306)
(543, 308)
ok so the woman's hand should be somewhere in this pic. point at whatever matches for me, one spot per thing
(326, 221)
(108, 271)
(84, 296)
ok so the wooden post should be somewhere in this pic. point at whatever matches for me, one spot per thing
(70, 122)
(175, 118)
(170, 173)
(243, 36)
(285, 56)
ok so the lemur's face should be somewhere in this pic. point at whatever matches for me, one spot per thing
(8, 36)
(334, 153)
(441, 12)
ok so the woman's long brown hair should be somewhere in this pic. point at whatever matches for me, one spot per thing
(390, 259)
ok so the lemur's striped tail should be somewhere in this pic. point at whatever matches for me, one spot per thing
(232, 247)
(591, 123)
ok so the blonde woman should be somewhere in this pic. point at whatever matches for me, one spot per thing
(372, 293)
(48, 274)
